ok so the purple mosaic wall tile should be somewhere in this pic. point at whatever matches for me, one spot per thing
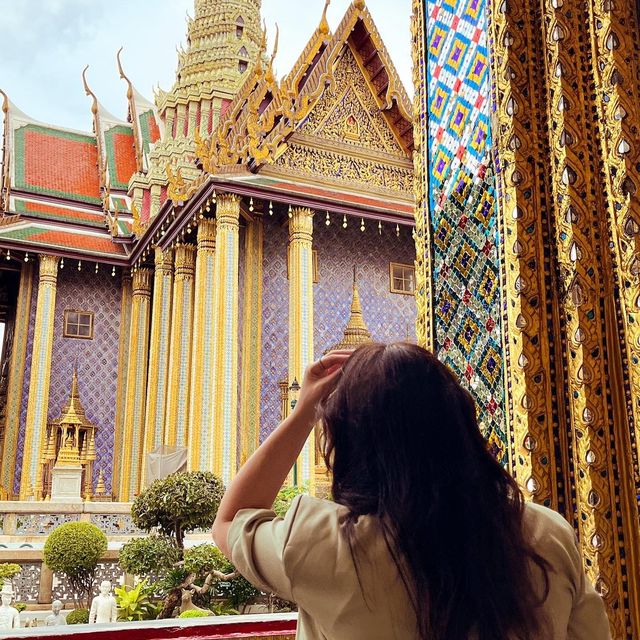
(389, 316)
(275, 319)
(97, 359)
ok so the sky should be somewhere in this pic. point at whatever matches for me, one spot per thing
(47, 43)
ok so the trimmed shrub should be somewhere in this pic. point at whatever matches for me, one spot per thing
(9, 570)
(150, 556)
(205, 558)
(179, 503)
(75, 548)
(195, 613)
(78, 616)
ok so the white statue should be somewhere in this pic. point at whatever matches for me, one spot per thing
(9, 616)
(55, 618)
(103, 607)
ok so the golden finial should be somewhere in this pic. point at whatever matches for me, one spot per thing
(123, 75)
(87, 90)
(358, 4)
(5, 101)
(137, 225)
(275, 44)
(324, 24)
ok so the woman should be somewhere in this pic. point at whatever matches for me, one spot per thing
(428, 537)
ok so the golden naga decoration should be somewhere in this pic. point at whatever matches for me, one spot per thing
(137, 227)
(179, 189)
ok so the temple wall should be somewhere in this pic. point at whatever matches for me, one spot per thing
(97, 358)
(389, 316)
(275, 319)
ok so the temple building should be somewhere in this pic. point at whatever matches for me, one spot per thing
(194, 256)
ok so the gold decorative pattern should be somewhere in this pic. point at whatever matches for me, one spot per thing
(523, 217)
(251, 340)
(137, 368)
(202, 368)
(176, 420)
(121, 391)
(157, 386)
(225, 334)
(301, 348)
(16, 377)
(38, 402)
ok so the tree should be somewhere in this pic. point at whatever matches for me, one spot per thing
(286, 496)
(179, 503)
(75, 548)
(9, 570)
(150, 556)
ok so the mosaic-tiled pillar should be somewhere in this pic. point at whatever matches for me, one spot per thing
(301, 320)
(121, 391)
(202, 365)
(177, 410)
(132, 442)
(16, 377)
(251, 340)
(158, 352)
(225, 352)
(38, 403)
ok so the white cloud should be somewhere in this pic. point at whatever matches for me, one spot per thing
(46, 44)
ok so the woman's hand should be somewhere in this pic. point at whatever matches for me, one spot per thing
(319, 380)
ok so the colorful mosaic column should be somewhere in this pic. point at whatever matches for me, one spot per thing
(251, 340)
(16, 377)
(38, 403)
(301, 351)
(121, 392)
(225, 351)
(202, 366)
(177, 410)
(132, 442)
(158, 352)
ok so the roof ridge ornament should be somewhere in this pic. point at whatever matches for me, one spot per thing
(324, 24)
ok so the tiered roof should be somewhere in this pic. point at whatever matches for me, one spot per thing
(71, 191)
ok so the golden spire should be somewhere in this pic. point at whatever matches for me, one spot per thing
(356, 332)
(73, 411)
(101, 489)
(222, 36)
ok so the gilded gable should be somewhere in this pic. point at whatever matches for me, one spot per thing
(347, 112)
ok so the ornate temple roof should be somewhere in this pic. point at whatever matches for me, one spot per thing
(91, 194)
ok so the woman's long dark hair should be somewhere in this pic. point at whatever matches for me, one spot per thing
(402, 440)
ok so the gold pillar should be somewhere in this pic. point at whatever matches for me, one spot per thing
(121, 391)
(225, 351)
(202, 366)
(16, 377)
(251, 340)
(176, 418)
(158, 352)
(38, 403)
(137, 367)
(301, 350)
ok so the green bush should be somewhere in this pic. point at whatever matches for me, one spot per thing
(195, 613)
(134, 603)
(205, 558)
(19, 606)
(285, 498)
(179, 503)
(9, 570)
(78, 616)
(150, 556)
(239, 591)
(75, 548)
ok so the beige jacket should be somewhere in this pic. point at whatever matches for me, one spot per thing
(304, 558)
